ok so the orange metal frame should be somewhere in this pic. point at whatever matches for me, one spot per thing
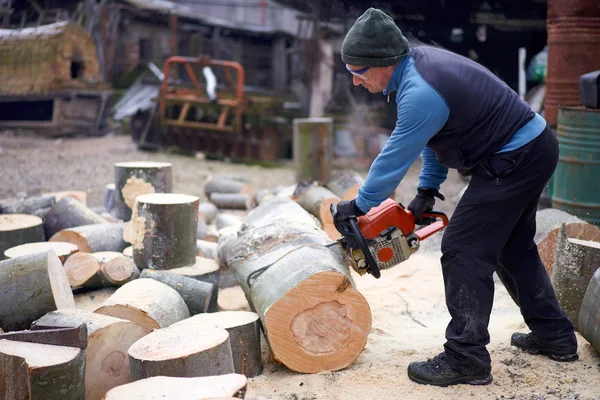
(234, 102)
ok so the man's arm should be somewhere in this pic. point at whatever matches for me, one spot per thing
(422, 112)
(433, 174)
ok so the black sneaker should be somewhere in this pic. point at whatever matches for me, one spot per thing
(530, 343)
(442, 370)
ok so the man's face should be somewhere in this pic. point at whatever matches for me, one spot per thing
(374, 79)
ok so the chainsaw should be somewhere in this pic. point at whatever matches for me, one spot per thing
(385, 236)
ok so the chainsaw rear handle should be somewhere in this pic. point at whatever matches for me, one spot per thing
(439, 221)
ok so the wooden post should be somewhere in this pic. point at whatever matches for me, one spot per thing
(313, 148)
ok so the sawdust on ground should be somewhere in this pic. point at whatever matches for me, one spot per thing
(409, 313)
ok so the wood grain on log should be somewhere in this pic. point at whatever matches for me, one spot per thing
(196, 294)
(205, 270)
(146, 302)
(93, 238)
(159, 387)
(107, 364)
(244, 336)
(317, 200)
(89, 300)
(165, 228)
(101, 269)
(314, 318)
(137, 178)
(18, 229)
(181, 351)
(41, 371)
(62, 249)
(69, 213)
(548, 222)
(345, 184)
(31, 286)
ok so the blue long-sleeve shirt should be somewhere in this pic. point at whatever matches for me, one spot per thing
(453, 112)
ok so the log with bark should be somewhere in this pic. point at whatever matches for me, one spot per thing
(345, 184)
(221, 387)
(244, 335)
(28, 205)
(196, 294)
(575, 262)
(78, 195)
(62, 249)
(41, 372)
(313, 317)
(224, 220)
(317, 200)
(220, 184)
(18, 229)
(207, 249)
(99, 270)
(31, 286)
(181, 351)
(93, 238)
(69, 213)
(231, 201)
(208, 211)
(137, 178)
(205, 270)
(548, 222)
(164, 230)
(146, 302)
(107, 364)
(108, 197)
(589, 314)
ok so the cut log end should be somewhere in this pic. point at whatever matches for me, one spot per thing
(80, 267)
(327, 219)
(69, 236)
(61, 290)
(301, 343)
(167, 198)
(61, 249)
(13, 222)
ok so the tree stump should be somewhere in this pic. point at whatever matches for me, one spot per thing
(99, 270)
(137, 178)
(164, 230)
(317, 200)
(107, 364)
(548, 222)
(196, 294)
(62, 249)
(18, 229)
(313, 148)
(146, 302)
(181, 351)
(205, 270)
(345, 184)
(41, 371)
(313, 317)
(28, 205)
(158, 387)
(69, 213)
(575, 261)
(93, 238)
(244, 335)
(31, 286)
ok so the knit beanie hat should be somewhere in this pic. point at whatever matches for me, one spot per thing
(374, 41)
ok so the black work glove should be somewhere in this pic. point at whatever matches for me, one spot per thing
(345, 211)
(423, 203)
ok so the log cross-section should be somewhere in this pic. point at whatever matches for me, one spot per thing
(313, 317)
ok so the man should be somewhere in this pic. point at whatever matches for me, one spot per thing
(457, 114)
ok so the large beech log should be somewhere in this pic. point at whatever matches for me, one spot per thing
(575, 262)
(146, 302)
(205, 270)
(101, 269)
(61, 249)
(244, 335)
(31, 286)
(41, 371)
(313, 317)
(231, 201)
(137, 178)
(195, 293)
(17, 229)
(28, 205)
(548, 222)
(181, 351)
(69, 213)
(164, 230)
(107, 364)
(162, 387)
(317, 200)
(219, 184)
(93, 238)
(345, 184)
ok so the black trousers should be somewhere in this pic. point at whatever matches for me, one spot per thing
(491, 230)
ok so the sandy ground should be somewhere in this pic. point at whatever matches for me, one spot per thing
(409, 313)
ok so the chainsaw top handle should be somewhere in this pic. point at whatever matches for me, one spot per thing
(435, 221)
(372, 267)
